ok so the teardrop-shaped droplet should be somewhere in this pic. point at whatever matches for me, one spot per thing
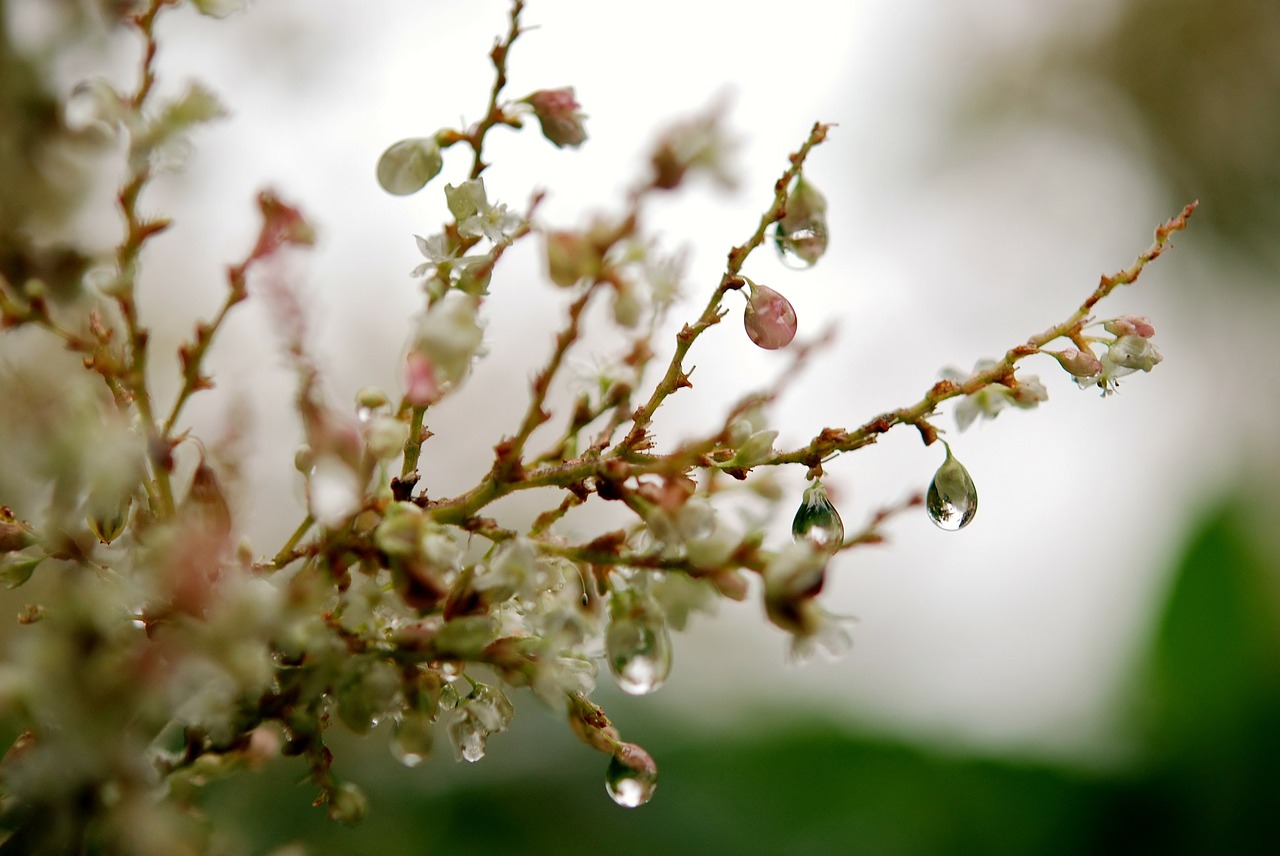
(468, 737)
(413, 738)
(408, 165)
(632, 777)
(770, 319)
(370, 402)
(800, 246)
(638, 649)
(817, 520)
(952, 499)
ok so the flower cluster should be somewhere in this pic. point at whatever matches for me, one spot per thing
(166, 653)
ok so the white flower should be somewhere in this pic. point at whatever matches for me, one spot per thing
(988, 401)
(1126, 355)
(469, 204)
(450, 335)
(436, 250)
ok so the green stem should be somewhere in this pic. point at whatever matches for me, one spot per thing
(413, 446)
(675, 376)
(494, 115)
(287, 554)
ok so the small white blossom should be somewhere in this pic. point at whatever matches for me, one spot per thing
(436, 250)
(469, 204)
(449, 334)
(988, 401)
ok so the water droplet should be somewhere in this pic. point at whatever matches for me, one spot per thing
(769, 318)
(817, 520)
(414, 735)
(632, 777)
(952, 500)
(800, 246)
(638, 649)
(468, 736)
(408, 165)
(333, 491)
(370, 402)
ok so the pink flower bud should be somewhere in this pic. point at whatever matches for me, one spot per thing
(421, 386)
(770, 319)
(1079, 363)
(282, 224)
(1130, 325)
(558, 113)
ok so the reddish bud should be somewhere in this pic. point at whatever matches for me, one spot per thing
(558, 113)
(770, 319)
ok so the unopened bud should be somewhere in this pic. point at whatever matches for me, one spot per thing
(1078, 363)
(1130, 325)
(769, 318)
(559, 114)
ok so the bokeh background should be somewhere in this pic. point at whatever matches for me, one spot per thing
(1092, 666)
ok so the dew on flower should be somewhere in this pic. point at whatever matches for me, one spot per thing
(952, 500)
(817, 520)
(639, 653)
(631, 777)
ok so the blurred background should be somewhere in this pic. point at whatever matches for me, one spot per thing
(1091, 666)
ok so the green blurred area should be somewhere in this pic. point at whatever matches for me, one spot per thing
(1206, 739)
(1200, 81)
(1190, 87)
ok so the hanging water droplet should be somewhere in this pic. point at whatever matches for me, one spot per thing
(952, 499)
(631, 777)
(370, 402)
(800, 246)
(817, 520)
(468, 736)
(406, 166)
(769, 318)
(413, 738)
(800, 237)
(638, 649)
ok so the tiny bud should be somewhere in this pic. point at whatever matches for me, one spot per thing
(282, 224)
(1078, 363)
(421, 385)
(558, 113)
(769, 318)
(627, 307)
(14, 537)
(14, 573)
(1130, 325)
